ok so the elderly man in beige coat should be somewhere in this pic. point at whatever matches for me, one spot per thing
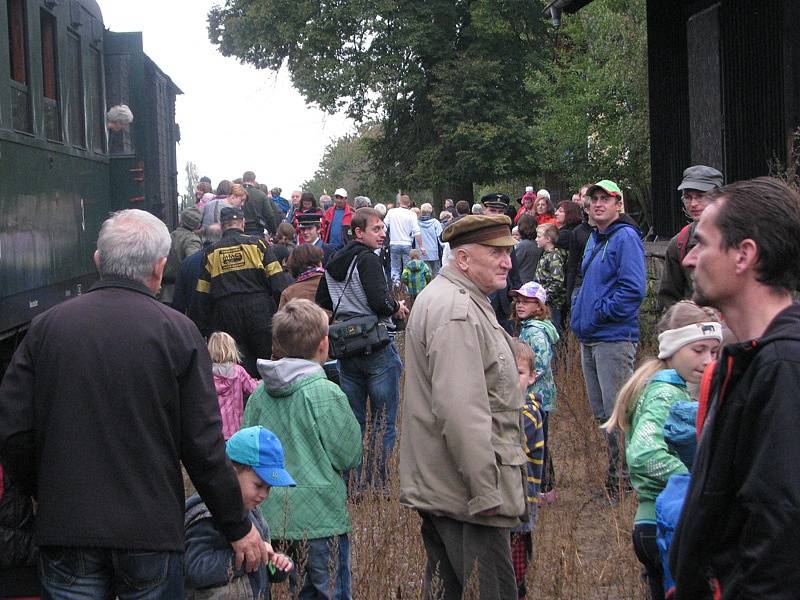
(461, 451)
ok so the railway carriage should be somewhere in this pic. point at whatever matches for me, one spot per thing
(62, 170)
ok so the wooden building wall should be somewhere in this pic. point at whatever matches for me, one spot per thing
(724, 84)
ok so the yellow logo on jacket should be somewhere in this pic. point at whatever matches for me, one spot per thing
(233, 259)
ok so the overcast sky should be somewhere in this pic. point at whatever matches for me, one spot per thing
(232, 117)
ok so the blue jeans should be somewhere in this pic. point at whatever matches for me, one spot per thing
(103, 573)
(434, 265)
(606, 368)
(327, 569)
(375, 376)
(399, 256)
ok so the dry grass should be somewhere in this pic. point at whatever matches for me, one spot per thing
(582, 544)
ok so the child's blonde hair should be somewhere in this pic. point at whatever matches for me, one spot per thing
(525, 354)
(222, 348)
(414, 254)
(549, 231)
(297, 329)
(679, 315)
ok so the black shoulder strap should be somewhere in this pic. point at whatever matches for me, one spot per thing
(595, 252)
(346, 283)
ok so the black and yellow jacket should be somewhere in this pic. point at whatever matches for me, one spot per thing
(240, 264)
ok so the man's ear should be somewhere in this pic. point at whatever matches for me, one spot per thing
(96, 258)
(746, 255)
(158, 268)
(461, 257)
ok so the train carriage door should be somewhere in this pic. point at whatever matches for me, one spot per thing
(143, 158)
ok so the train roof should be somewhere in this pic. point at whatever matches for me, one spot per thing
(93, 7)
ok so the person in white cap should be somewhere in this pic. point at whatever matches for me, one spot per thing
(336, 220)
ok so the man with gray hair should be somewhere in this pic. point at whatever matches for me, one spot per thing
(106, 396)
(462, 465)
(361, 202)
(119, 118)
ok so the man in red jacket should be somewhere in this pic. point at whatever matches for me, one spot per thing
(336, 221)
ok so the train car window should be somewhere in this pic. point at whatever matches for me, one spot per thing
(96, 94)
(52, 110)
(118, 77)
(76, 120)
(17, 48)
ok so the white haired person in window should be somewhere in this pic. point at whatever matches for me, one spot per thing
(119, 118)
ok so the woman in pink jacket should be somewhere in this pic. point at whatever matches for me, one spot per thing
(232, 382)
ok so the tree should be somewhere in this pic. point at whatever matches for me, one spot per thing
(443, 79)
(593, 119)
(346, 164)
(192, 179)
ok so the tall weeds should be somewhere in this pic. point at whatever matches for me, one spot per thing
(582, 543)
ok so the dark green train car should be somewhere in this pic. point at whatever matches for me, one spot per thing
(62, 170)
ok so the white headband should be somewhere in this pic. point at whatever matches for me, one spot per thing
(673, 340)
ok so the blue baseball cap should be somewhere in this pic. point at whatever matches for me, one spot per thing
(261, 450)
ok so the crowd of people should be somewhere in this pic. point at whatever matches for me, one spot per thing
(259, 352)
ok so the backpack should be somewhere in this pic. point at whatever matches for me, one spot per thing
(684, 237)
(669, 505)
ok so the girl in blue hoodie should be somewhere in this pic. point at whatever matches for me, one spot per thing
(535, 329)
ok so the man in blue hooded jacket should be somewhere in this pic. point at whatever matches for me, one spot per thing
(605, 314)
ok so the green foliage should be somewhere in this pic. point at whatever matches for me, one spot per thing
(593, 120)
(461, 93)
(345, 164)
(444, 79)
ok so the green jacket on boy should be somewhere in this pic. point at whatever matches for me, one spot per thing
(321, 438)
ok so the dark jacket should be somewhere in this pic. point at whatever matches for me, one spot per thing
(564, 234)
(18, 552)
(238, 264)
(259, 212)
(606, 308)
(186, 282)
(104, 399)
(528, 254)
(208, 560)
(327, 251)
(577, 244)
(501, 299)
(740, 523)
(371, 276)
(676, 284)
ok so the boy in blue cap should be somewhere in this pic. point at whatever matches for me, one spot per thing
(257, 456)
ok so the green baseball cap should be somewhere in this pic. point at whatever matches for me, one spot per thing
(608, 186)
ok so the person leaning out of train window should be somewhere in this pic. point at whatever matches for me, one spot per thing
(212, 209)
(119, 118)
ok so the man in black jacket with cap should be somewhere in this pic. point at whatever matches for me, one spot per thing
(240, 288)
